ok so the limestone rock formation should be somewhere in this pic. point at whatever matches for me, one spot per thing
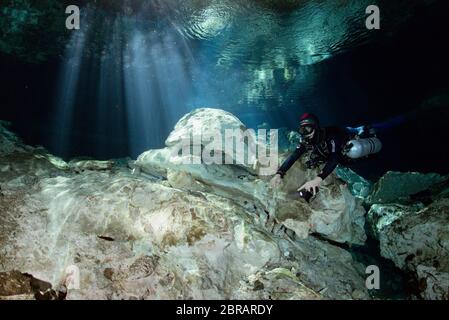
(335, 214)
(161, 228)
(398, 186)
(416, 238)
(409, 215)
(15, 285)
(357, 185)
(160, 231)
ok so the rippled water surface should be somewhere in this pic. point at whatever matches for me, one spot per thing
(118, 85)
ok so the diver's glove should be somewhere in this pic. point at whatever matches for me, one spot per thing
(312, 186)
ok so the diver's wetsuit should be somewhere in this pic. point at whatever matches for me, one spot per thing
(329, 149)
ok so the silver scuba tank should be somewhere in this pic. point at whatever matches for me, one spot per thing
(359, 148)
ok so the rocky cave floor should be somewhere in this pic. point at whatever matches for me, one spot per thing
(155, 228)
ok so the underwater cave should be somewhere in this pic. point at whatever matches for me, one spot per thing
(101, 199)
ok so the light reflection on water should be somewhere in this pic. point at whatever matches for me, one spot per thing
(157, 60)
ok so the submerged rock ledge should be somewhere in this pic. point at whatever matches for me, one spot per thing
(156, 229)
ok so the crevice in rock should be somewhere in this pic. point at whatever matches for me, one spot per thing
(394, 282)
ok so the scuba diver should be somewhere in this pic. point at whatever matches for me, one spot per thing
(330, 146)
